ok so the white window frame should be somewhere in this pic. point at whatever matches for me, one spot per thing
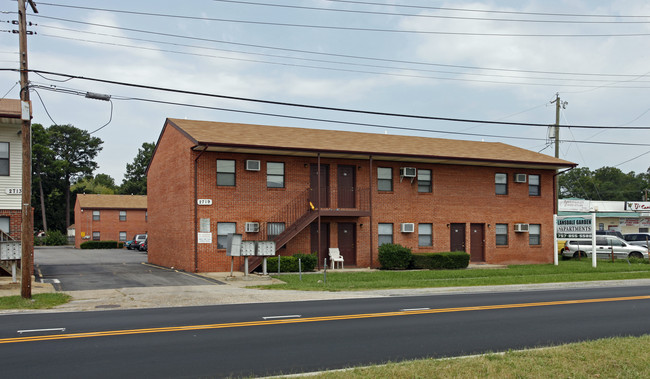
(226, 172)
(535, 234)
(382, 233)
(425, 234)
(223, 229)
(501, 230)
(384, 177)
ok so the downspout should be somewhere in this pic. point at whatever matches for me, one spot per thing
(370, 199)
(196, 210)
(319, 206)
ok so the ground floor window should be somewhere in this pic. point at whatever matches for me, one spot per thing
(534, 233)
(5, 224)
(273, 229)
(96, 236)
(425, 234)
(223, 229)
(385, 234)
(502, 234)
(122, 236)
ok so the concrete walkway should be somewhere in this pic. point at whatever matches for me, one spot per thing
(235, 291)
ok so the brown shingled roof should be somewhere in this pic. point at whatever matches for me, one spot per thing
(245, 136)
(112, 201)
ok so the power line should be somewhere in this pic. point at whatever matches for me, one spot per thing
(490, 11)
(338, 55)
(358, 29)
(341, 11)
(546, 83)
(340, 122)
(318, 107)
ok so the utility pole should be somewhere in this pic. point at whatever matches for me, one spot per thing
(27, 233)
(558, 104)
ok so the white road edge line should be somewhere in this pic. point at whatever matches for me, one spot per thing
(414, 309)
(277, 317)
(41, 330)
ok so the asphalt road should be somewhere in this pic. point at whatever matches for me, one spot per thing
(70, 269)
(273, 338)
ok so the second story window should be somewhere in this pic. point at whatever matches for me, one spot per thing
(4, 158)
(384, 178)
(424, 180)
(122, 215)
(95, 215)
(533, 185)
(275, 175)
(501, 184)
(226, 172)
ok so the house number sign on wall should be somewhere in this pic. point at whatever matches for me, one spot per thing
(14, 191)
(204, 201)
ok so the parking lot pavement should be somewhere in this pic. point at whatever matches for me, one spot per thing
(69, 269)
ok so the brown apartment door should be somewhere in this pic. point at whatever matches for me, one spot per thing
(477, 243)
(324, 242)
(457, 237)
(324, 185)
(346, 186)
(348, 243)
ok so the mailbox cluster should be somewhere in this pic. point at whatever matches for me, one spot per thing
(235, 247)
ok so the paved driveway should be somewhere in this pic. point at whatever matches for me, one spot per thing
(70, 269)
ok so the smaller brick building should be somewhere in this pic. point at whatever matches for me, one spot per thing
(109, 217)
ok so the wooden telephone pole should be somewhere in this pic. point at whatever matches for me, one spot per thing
(27, 234)
(558, 104)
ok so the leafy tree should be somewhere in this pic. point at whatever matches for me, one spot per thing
(605, 183)
(100, 184)
(75, 150)
(42, 162)
(135, 179)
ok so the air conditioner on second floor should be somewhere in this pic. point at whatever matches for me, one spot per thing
(252, 227)
(252, 165)
(408, 227)
(408, 172)
(521, 228)
(520, 178)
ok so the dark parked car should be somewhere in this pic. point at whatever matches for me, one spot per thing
(143, 245)
(610, 233)
(639, 239)
(135, 243)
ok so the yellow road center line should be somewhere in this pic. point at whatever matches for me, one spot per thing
(311, 319)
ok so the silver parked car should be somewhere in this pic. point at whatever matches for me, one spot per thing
(640, 239)
(604, 247)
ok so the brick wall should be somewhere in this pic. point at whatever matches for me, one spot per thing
(109, 225)
(15, 222)
(461, 194)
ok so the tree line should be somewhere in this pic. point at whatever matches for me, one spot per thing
(63, 163)
(605, 183)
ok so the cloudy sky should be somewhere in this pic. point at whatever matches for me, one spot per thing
(474, 60)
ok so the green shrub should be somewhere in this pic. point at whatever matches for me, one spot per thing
(102, 245)
(394, 257)
(290, 263)
(55, 238)
(438, 261)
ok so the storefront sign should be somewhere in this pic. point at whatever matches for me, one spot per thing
(631, 221)
(568, 205)
(637, 205)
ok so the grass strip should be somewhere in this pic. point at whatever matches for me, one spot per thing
(566, 271)
(38, 301)
(621, 357)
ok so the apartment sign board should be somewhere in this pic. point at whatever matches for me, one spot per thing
(575, 228)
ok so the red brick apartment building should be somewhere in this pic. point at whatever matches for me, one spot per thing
(109, 217)
(356, 190)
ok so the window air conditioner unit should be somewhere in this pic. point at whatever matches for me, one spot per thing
(408, 227)
(520, 178)
(252, 227)
(408, 172)
(521, 228)
(252, 165)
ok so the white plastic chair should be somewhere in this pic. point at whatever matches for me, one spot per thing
(335, 257)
